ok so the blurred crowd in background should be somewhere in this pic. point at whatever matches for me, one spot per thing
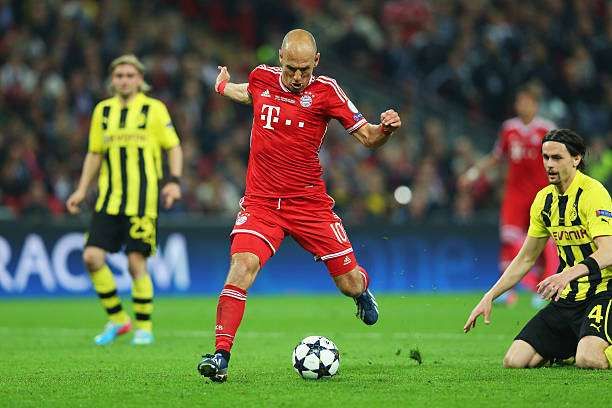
(434, 61)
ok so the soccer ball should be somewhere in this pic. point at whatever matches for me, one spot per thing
(316, 357)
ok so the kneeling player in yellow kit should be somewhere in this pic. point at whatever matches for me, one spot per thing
(577, 212)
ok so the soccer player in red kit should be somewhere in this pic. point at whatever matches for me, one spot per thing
(520, 144)
(285, 194)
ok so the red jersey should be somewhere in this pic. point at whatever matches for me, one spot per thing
(288, 130)
(521, 146)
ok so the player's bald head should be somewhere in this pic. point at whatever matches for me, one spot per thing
(298, 58)
(299, 43)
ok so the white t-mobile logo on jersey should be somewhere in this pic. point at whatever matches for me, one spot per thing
(270, 114)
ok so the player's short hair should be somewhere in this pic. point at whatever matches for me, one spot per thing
(573, 142)
(132, 60)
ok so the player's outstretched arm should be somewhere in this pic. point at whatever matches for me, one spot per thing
(236, 92)
(91, 166)
(373, 136)
(552, 286)
(520, 265)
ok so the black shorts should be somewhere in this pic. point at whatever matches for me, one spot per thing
(111, 232)
(554, 331)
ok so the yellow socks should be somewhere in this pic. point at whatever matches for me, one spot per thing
(142, 296)
(104, 284)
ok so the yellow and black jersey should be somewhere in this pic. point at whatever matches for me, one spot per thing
(130, 137)
(573, 220)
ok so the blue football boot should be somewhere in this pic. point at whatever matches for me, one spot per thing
(367, 308)
(111, 332)
(213, 367)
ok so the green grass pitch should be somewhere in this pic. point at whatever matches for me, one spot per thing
(48, 357)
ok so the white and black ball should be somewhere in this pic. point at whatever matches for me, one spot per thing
(316, 357)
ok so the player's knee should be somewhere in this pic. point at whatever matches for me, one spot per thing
(93, 259)
(137, 265)
(590, 361)
(514, 362)
(512, 359)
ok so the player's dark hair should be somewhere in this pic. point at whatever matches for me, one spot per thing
(572, 140)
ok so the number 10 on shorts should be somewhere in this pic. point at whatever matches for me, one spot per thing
(339, 232)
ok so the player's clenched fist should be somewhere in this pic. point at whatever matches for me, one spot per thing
(390, 121)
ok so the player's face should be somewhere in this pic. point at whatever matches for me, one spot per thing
(559, 164)
(126, 80)
(297, 69)
(526, 106)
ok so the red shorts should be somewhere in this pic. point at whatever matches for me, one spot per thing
(309, 220)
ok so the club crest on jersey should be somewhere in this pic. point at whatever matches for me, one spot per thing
(306, 100)
(241, 218)
(603, 213)
(573, 215)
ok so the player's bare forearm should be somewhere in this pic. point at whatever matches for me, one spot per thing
(175, 161)
(374, 136)
(553, 286)
(371, 136)
(520, 265)
(91, 166)
(603, 255)
(238, 93)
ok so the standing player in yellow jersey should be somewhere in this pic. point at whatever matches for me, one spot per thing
(576, 211)
(127, 134)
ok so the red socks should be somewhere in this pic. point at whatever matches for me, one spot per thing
(230, 310)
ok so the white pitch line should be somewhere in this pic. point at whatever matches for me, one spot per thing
(64, 331)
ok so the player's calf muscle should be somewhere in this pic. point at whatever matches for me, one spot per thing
(350, 283)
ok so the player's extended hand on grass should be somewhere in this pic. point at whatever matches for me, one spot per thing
(223, 76)
(482, 308)
(73, 202)
(390, 121)
(553, 285)
(170, 193)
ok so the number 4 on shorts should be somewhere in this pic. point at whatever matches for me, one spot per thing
(596, 314)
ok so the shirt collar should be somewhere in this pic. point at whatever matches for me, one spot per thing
(134, 101)
(573, 187)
